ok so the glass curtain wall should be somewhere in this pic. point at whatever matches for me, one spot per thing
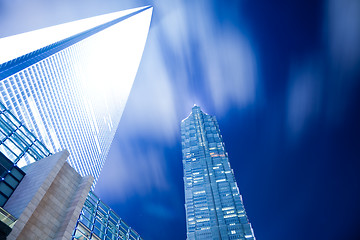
(214, 206)
(98, 221)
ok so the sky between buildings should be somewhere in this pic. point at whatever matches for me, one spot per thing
(281, 78)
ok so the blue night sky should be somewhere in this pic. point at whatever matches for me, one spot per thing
(283, 81)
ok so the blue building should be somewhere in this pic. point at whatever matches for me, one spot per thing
(98, 221)
(48, 198)
(213, 204)
(64, 87)
(69, 83)
(16, 143)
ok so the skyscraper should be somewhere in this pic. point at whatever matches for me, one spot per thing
(98, 221)
(45, 199)
(16, 142)
(213, 204)
(64, 87)
(69, 83)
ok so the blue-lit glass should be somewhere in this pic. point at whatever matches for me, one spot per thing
(17, 146)
(72, 93)
(17, 143)
(213, 204)
(98, 221)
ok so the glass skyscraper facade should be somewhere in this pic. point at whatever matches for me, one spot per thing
(70, 90)
(17, 144)
(99, 222)
(213, 204)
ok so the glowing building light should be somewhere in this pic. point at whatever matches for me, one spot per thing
(69, 83)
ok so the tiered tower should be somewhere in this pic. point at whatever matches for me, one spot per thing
(214, 206)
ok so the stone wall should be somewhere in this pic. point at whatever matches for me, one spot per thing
(49, 199)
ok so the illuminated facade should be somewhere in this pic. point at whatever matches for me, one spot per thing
(59, 197)
(213, 204)
(69, 83)
(16, 143)
(98, 221)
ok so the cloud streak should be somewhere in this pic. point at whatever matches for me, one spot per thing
(323, 82)
(189, 58)
(132, 169)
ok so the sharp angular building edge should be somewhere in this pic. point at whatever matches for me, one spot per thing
(46, 199)
(213, 204)
(63, 90)
(72, 91)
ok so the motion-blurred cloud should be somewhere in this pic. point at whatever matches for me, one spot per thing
(187, 49)
(323, 82)
(304, 96)
(342, 41)
(132, 169)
